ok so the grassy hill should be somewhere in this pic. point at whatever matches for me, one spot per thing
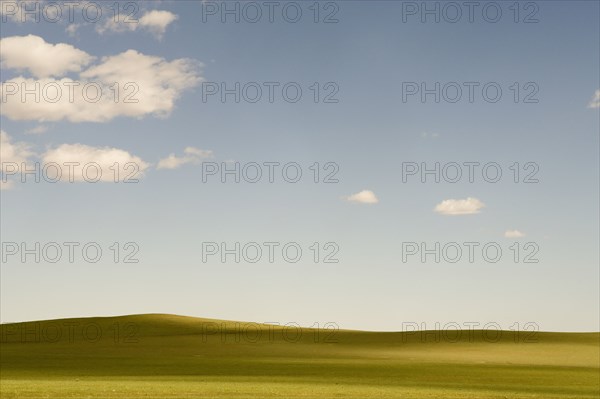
(166, 356)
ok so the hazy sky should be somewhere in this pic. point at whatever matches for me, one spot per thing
(367, 126)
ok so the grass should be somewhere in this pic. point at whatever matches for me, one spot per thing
(166, 356)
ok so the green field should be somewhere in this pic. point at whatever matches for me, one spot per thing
(165, 356)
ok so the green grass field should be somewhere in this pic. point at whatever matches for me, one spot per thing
(165, 356)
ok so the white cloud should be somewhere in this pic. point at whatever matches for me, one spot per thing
(595, 103)
(77, 162)
(363, 197)
(172, 162)
(72, 29)
(37, 130)
(191, 155)
(12, 152)
(154, 75)
(92, 160)
(154, 21)
(126, 20)
(124, 23)
(42, 59)
(129, 84)
(467, 206)
(198, 152)
(513, 234)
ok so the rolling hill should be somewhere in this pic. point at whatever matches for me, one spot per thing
(167, 356)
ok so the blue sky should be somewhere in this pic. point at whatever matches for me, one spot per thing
(369, 132)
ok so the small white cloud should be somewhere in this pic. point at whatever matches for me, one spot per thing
(154, 21)
(42, 59)
(92, 160)
(12, 152)
(37, 130)
(192, 155)
(198, 152)
(513, 234)
(170, 162)
(157, 21)
(595, 103)
(363, 197)
(467, 206)
(72, 29)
